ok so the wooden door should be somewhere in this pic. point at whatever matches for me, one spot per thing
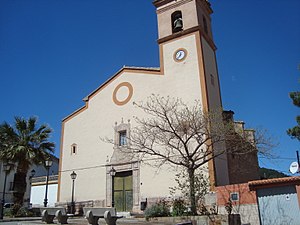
(123, 195)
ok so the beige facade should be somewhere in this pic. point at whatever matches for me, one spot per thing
(110, 110)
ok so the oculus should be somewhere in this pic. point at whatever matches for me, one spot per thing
(122, 93)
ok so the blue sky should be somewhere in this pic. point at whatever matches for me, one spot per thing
(53, 53)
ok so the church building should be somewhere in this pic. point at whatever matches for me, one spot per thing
(188, 70)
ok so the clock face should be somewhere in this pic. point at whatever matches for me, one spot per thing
(180, 55)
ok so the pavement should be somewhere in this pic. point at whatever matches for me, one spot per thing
(77, 221)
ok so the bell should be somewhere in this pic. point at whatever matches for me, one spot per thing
(178, 25)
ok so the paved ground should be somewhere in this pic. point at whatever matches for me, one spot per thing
(77, 221)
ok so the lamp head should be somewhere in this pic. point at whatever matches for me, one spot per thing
(48, 163)
(32, 173)
(73, 175)
(6, 167)
(112, 172)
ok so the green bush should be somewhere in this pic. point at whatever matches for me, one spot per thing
(18, 211)
(179, 208)
(22, 212)
(15, 209)
(7, 213)
(159, 209)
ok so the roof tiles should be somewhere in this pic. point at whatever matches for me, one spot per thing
(274, 182)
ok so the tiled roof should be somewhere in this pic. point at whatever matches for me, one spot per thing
(275, 182)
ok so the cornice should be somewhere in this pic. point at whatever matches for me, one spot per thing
(176, 4)
(186, 32)
(159, 3)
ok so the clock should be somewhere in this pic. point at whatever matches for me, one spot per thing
(180, 55)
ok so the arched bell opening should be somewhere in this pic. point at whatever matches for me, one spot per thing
(177, 22)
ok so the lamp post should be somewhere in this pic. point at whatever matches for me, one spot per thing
(6, 169)
(112, 173)
(48, 164)
(73, 177)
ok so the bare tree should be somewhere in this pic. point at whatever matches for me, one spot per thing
(184, 135)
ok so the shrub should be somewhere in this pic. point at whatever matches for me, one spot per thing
(18, 211)
(15, 209)
(179, 208)
(159, 209)
(183, 186)
(22, 212)
(7, 213)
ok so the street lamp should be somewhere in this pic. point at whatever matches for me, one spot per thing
(32, 173)
(112, 172)
(73, 177)
(48, 164)
(6, 169)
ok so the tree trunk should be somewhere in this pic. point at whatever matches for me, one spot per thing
(192, 191)
(19, 187)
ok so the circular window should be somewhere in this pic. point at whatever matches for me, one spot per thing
(122, 93)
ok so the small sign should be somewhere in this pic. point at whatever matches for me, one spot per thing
(294, 167)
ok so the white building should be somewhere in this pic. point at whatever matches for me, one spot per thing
(188, 70)
(31, 196)
(38, 189)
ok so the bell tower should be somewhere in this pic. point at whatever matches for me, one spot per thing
(183, 16)
(178, 19)
(184, 30)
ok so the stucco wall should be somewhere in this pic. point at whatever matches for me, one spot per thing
(179, 79)
(214, 104)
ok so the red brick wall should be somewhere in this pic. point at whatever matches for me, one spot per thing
(245, 195)
(243, 168)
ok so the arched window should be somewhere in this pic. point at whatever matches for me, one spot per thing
(73, 149)
(177, 23)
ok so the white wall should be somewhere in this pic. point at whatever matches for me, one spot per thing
(248, 212)
(38, 195)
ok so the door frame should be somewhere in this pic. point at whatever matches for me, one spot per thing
(133, 167)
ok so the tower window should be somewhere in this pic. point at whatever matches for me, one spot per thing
(122, 138)
(73, 149)
(177, 23)
(205, 25)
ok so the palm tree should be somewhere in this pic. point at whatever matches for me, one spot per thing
(24, 144)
